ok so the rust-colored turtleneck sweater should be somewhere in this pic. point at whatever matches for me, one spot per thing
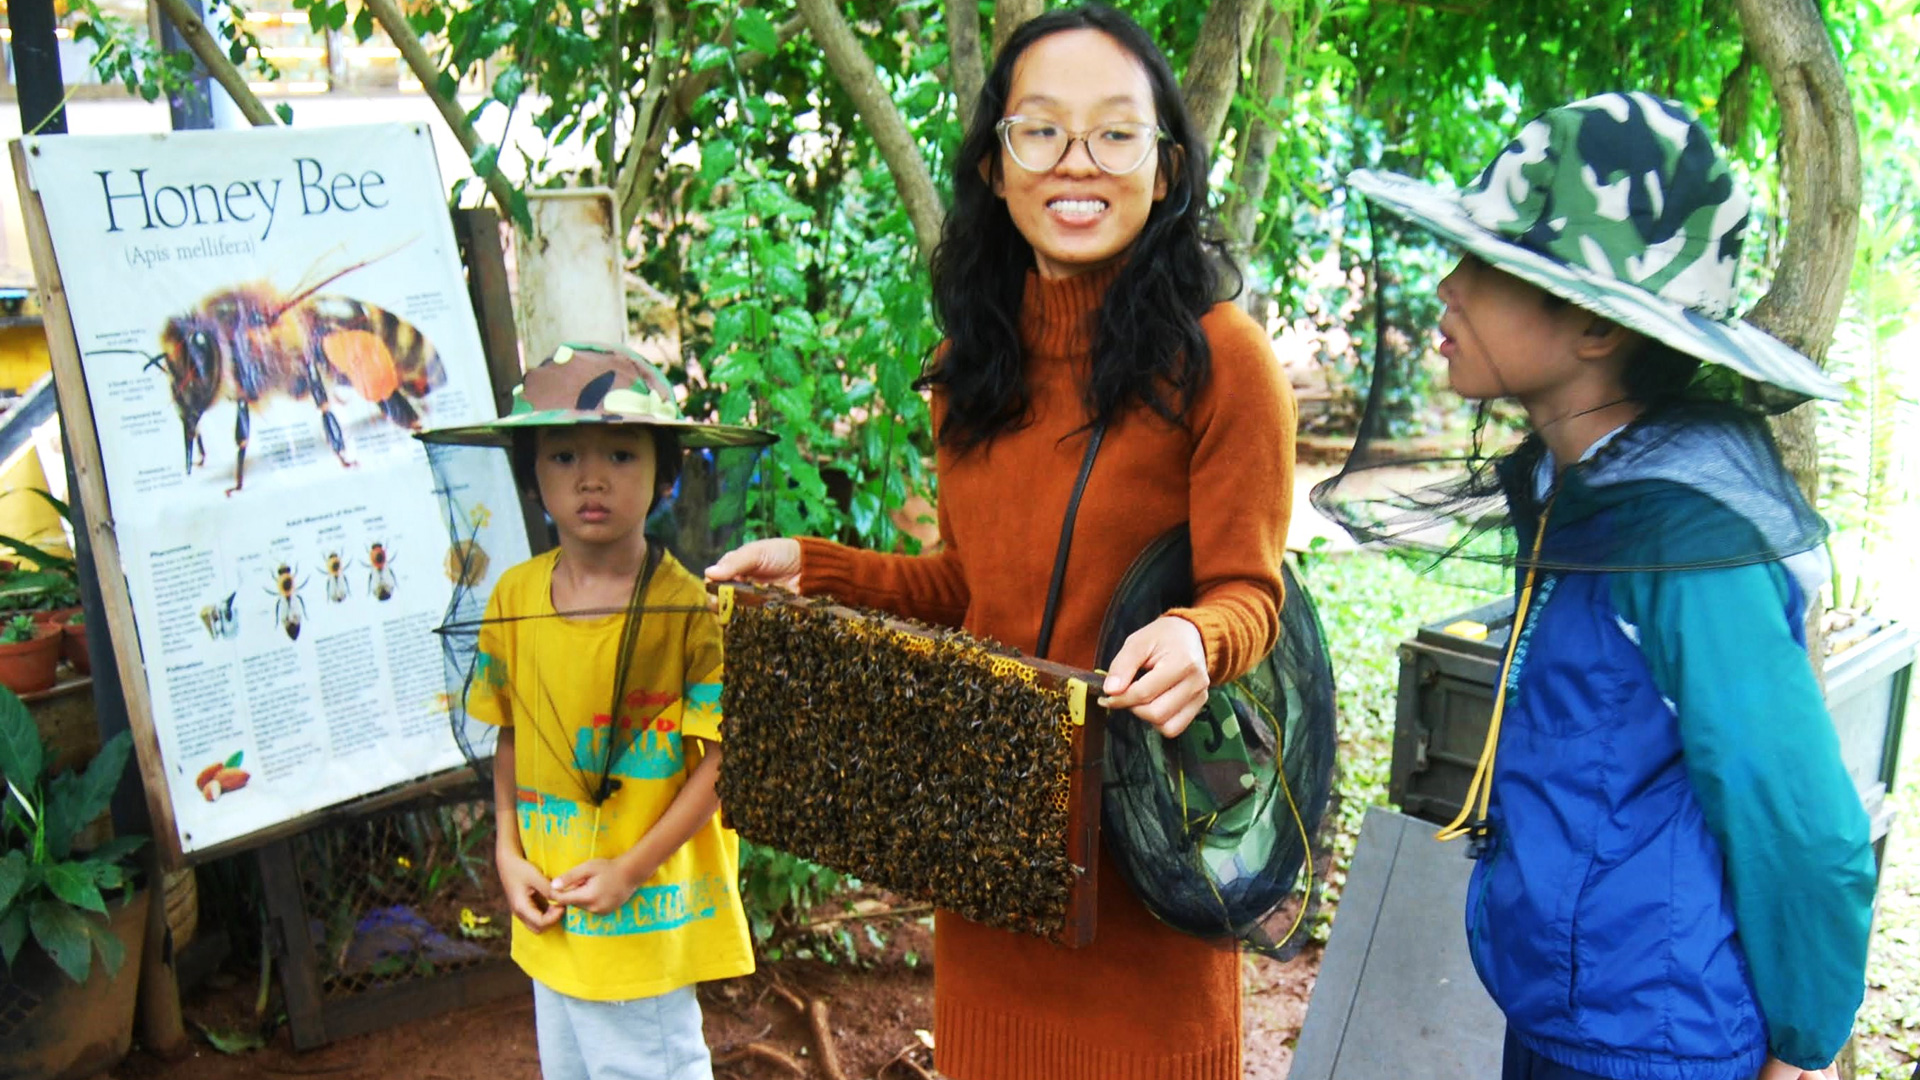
(1143, 1002)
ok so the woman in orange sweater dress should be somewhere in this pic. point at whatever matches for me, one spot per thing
(1075, 283)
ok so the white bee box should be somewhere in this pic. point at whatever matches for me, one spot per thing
(567, 267)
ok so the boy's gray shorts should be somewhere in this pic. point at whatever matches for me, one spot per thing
(656, 1038)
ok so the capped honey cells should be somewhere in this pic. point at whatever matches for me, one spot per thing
(922, 762)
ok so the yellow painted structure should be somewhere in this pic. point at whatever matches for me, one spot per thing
(23, 362)
(23, 353)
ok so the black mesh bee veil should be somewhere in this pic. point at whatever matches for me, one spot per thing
(1693, 481)
(1214, 839)
(595, 694)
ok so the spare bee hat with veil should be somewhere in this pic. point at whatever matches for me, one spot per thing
(1621, 205)
(666, 615)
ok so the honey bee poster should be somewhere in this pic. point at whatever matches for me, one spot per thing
(262, 319)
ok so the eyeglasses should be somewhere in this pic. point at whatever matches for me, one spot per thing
(1041, 145)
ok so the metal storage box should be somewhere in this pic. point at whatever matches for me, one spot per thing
(1449, 668)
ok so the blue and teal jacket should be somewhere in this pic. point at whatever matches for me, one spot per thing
(1677, 880)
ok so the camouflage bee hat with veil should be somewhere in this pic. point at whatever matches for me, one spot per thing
(661, 665)
(1622, 205)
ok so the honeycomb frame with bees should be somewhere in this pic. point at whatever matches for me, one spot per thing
(938, 766)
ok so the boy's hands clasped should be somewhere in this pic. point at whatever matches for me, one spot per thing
(529, 893)
(600, 886)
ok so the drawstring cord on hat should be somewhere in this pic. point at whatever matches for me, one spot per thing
(1481, 790)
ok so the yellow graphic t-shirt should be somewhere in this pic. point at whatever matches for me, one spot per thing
(551, 679)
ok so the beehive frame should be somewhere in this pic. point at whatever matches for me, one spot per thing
(763, 701)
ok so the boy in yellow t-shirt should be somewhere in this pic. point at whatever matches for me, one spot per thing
(621, 878)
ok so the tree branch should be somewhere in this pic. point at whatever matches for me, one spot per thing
(387, 13)
(966, 68)
(648, 126)
(1007, 17)
(854, 70)
(1213, 71)
(644, 156)
(194, 32)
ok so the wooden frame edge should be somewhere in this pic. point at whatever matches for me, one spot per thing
(83, 450)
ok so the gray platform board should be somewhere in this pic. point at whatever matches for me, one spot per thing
(1397, 997)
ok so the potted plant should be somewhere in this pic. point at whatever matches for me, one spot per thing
(71, 1017)
(73, 643)
(49, 587)
(29, 653)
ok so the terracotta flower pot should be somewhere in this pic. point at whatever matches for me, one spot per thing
(28, 666)
(57, 1029)
(73, 647)
(55, 616)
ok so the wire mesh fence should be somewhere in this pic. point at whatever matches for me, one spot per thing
(401, 896)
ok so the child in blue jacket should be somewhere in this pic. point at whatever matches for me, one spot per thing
(1674, 878)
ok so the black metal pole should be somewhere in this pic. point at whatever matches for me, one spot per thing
(36, 66)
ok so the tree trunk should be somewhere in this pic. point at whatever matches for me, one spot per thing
(1820, 168)
(1213, 70)
(1008, 15)
(1253, 163)
(966, 68)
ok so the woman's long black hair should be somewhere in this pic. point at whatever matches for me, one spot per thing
(1148, 346)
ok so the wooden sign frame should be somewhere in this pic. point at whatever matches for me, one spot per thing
(478, 235)
(1086, 763)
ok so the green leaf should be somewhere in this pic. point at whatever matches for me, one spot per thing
(74, 884)
(285, 112)
(112, 952)
(756, 31)
(237, 1041)
(74, 802)
(13, 876)
(13, 933)
(447, 84)
(708, 56)
(485, 157)
(62, 933)
(363, 24)
(21, 755)
(233, 761)
(508, 84)
(716, 160)
(116, 849)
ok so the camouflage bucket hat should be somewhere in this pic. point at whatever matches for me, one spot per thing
(596, 384)
(1622, 205)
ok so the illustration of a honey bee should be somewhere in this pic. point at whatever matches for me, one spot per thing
(249, 342)
(336, 577)
(220, 620)
(380, 581)
(288, 609)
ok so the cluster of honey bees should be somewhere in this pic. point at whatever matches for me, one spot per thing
(918, 765)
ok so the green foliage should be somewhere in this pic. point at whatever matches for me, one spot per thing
(124, 54)
(1368, 604)
(18, 629)
(1870, 435)
(778, 889)
(48, 890)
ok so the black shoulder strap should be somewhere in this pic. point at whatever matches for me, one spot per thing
(1066, 540)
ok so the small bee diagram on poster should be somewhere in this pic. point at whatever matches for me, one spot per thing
(259, 321)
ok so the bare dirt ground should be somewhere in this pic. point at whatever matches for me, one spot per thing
(874, 1011)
